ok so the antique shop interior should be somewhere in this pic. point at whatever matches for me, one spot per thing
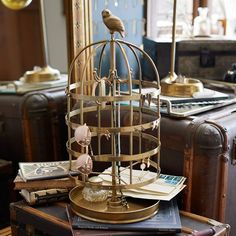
(117, 117)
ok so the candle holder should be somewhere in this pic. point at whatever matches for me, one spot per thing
(178, 86)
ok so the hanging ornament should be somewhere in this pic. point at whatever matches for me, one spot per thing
(83, 135)
(84, 164)
(143, 165)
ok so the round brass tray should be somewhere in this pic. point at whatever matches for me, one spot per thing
(138, 209)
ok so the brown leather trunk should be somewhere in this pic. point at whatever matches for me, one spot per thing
(6, 196)
(32, 126)
(202, 148)
(52, 220)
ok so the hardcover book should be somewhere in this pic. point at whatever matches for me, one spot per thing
(44, 170)
(66, 183)
(167, 220)
(44, 196)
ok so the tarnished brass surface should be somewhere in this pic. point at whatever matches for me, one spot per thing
(185, 87)
(123, 185)
(16, 4)
(138, 210)
(46, 73)
(123, 157)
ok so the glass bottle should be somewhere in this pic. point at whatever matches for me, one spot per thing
(202, 24)
(95, 193)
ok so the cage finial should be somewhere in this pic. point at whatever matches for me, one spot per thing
(113, 23)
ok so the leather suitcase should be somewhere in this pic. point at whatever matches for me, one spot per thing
(52, 220)
(6, 178)
(203, 148)
(32, 126)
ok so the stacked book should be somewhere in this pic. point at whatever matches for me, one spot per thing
(41, 182)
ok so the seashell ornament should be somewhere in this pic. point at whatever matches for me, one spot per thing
(83, 135)
(84, 164)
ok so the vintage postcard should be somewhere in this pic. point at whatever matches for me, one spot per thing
(164, 188)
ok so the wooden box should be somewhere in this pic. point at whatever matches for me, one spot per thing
(206, 58)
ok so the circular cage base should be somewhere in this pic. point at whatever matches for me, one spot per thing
(137, 209)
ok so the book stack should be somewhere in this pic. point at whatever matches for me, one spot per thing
(42, 182)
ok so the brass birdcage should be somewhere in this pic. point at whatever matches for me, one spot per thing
(113, 124)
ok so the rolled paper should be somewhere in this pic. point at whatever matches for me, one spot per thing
(84, 164)
(83, 135)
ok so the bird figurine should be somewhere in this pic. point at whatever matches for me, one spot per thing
(113, 23)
